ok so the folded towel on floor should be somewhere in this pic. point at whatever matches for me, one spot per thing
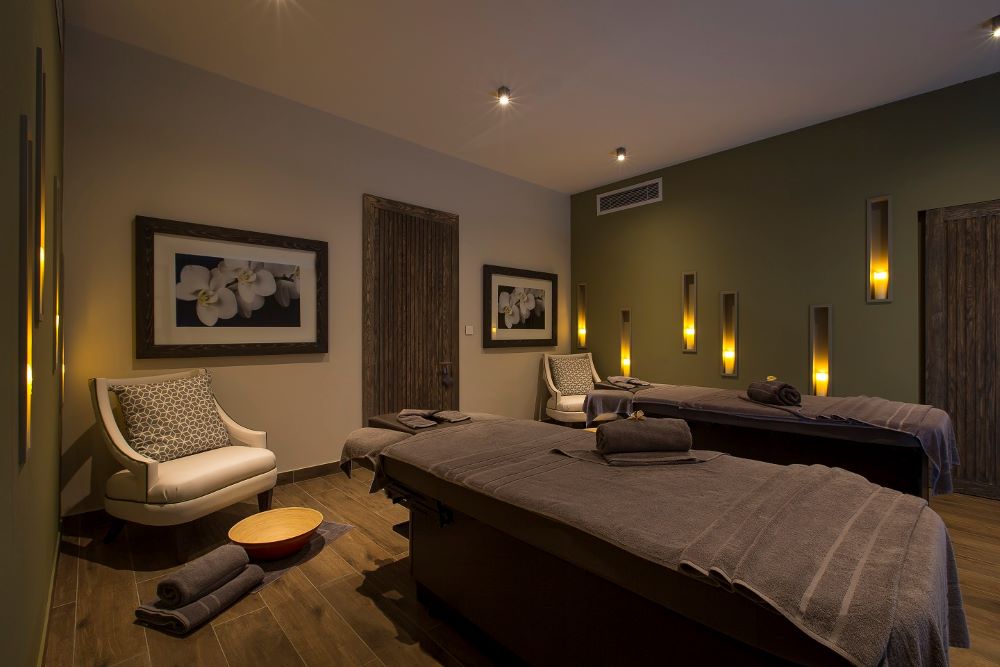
(182, 620)
(643, 435)
(416, 418)
(450, 416)
(774, 392)
(202, 575)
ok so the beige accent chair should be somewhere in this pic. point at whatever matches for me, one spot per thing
(564, 408)
(168, 493)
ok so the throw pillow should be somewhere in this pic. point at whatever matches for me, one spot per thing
(572, 375)
(170, 419)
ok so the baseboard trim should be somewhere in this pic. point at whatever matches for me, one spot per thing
(309, 472)
(48, 601)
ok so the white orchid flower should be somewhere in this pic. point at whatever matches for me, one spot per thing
(286, 278)
(510, 310)
(252, 282)
(208, 288)
(539, 305)
(527, 303)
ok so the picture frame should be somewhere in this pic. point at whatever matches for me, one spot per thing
(520, 307)
(61, 24)
(204, 291)
(25, 309)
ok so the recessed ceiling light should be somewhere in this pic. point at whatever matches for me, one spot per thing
(621, 153)
(995, 26)
(503, 95)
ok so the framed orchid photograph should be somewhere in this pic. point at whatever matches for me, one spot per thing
(519, 307)
(206, 291)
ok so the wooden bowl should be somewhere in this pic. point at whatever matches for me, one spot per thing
(276, 533)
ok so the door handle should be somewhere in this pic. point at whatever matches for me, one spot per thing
(447, 378)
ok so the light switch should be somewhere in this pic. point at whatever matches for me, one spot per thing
(468, 329)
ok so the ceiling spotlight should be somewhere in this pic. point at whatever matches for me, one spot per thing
(995, 26)
(621, 154)
(503, 95)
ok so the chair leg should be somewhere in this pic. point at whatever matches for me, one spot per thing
(264, 500)
(114, 530)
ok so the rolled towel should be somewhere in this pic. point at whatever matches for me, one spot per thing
(183, 620)
(774, 392)
(450, 416)
(643, 435)
(201, 576)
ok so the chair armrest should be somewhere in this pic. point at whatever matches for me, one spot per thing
(139, 465)
(241, 435)
(593, 369)
(547, 374)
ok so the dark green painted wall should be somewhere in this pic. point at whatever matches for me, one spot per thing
(29, 493)
(783, 222)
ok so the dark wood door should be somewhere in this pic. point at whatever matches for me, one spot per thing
(410, 307)
(961, 330)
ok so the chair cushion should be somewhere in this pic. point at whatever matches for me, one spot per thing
(170, 419)
(193, 476)
(567, 403)
(572, 374)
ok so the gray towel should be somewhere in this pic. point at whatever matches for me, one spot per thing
(774, 392)
(643, 435)
(451, 416)
(183, 620)
(632, 459)
(202, 575)
(416, 418)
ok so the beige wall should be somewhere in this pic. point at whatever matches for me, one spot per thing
(29, 493)
(783, 222)
(147, 135)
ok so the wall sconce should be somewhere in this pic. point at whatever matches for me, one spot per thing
(626, 342)
(729, 305)
(689, 312)
(820, 348)
(25, 294)
(581, 316)
(879, 252)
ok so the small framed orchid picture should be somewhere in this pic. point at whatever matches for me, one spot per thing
(212, 291)
(519, 307)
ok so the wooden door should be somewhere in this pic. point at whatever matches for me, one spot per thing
(961, 330)
(410, 307)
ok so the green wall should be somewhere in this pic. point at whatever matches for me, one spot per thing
(29, 494)
(783, 222)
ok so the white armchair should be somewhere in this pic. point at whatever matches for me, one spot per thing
(183, 489)
(568, 408)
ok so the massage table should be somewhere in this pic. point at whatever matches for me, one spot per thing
(723, 420)
(548, 590)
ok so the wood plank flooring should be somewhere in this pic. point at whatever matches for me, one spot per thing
(354, 604)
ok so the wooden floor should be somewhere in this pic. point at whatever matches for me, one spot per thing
(353, 604)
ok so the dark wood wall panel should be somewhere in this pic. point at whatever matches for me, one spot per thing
(410, 303)
(961, 330)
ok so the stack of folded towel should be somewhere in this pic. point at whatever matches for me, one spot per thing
(627, 382)
(641, 441)
(774, 392)
(200, 590)
(424, 418)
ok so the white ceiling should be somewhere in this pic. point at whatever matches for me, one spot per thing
(671, 80)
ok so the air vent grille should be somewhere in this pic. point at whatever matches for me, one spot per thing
(639, 194)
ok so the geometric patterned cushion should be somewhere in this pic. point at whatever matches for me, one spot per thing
(572, 375)
(170, 419)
